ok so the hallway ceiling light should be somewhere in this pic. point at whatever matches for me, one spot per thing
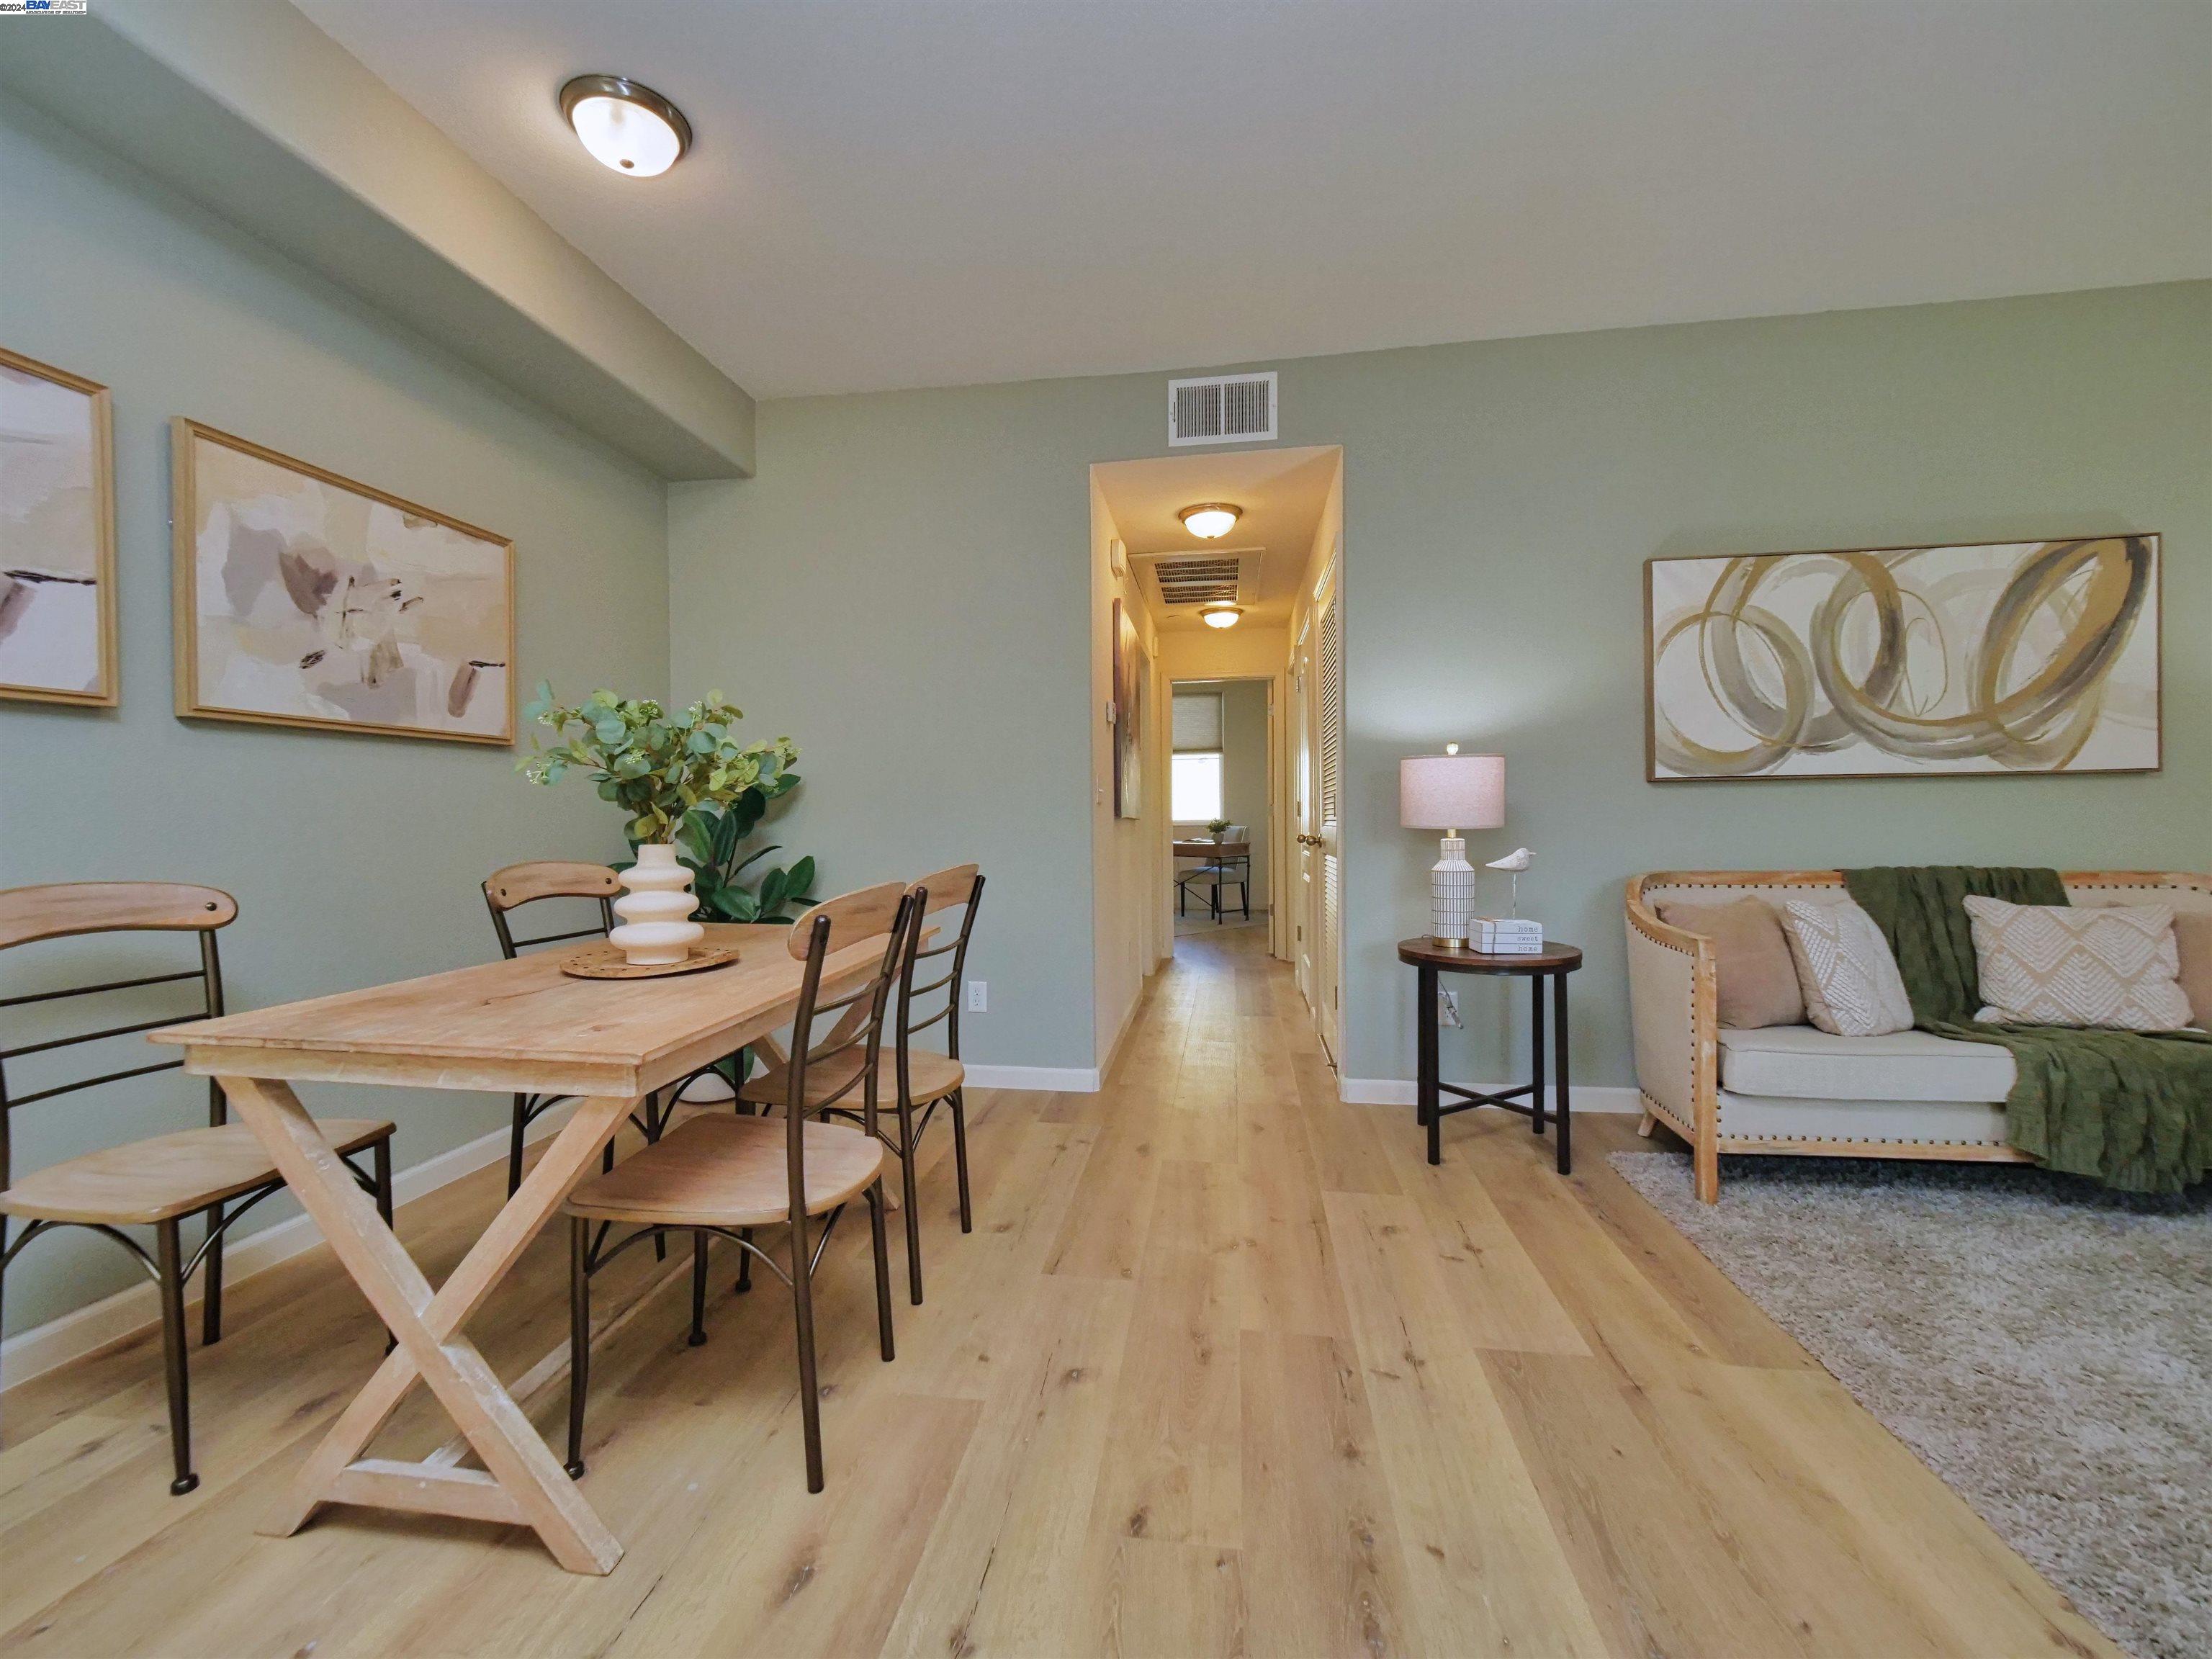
(630, 128)
(1209, 519)
(1222, 613)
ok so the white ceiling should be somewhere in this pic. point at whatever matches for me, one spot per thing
(937, 193)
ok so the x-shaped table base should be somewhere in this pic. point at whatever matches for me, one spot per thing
(522, 1482)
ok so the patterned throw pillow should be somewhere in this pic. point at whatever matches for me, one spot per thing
(2052, 964)
(1850, 981)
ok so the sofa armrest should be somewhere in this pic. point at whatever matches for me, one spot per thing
(1673, 1002)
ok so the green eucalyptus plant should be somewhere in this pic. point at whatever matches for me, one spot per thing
(683, 778)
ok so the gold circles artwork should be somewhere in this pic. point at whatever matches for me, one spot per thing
(1897, 662)
(607, 962)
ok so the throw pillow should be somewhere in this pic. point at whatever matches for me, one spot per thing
(1845, 968)
(1758, 981)
(2049, 965)
(2192, 940)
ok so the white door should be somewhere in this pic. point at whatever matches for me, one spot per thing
(1328, 793)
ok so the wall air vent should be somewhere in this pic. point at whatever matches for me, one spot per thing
(1222, 409)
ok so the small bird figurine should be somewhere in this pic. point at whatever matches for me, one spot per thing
(1516, 861)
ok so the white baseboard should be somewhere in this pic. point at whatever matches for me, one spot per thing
(77, 1334)
(1399, 1091)
(1049, 1079)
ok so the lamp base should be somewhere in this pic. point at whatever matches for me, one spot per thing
(1451, 892)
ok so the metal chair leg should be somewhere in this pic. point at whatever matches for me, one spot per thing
(169, 1259)
(913, 1206)
(809, 1394)
(958, 1103)
(515, 1144)
(380, 1159)
(883, 1267)
(579, 1337)
(744, 1263)
(211, 1298)
(698, 1288)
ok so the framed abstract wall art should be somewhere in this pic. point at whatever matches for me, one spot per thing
(1942, 661)
(304, 599)
(56, 536)
(1132, 671)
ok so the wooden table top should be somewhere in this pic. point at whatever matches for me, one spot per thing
(1555, 958)
(488, 1026)
(1207, 849)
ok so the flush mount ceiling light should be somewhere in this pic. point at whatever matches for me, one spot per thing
(1209, 519)
(1222, 613)
(630, 128)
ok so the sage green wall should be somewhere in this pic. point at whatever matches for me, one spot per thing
(902, 588)
(354, 859)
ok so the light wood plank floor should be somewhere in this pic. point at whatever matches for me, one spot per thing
(1223, 1369)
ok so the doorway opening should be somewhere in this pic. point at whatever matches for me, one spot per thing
(1217, 676)
(1222, 760)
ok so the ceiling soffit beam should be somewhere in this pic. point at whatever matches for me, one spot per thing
(249, 109)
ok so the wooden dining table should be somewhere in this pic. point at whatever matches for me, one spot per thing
(505, 1027)
(1211, 849)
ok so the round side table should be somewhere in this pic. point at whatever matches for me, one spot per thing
(1554, 962)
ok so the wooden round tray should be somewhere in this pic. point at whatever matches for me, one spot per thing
(607, 962)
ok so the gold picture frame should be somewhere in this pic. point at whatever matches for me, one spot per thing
(2085, 613)
(25, 570)
(380, 614)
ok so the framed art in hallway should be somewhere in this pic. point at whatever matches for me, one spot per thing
(304, 599)
(1976, 659)
(56, 536)
(1133, 668)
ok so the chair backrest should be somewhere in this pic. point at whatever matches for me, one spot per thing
(64, 909)
(962, 885)
(851, 917)
(885, 913)
(518, 885)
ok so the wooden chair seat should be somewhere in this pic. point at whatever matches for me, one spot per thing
(164, 1176)
(934, 1076)
(716, 1171)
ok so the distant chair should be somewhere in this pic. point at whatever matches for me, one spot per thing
(158, 1182)
(1223, 870)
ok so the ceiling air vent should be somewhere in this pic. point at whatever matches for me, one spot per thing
(1222, 409)
(1197, 578)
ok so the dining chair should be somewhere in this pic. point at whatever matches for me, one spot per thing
(509, 890)
(218, 1173)
(725, 1177)
(926, 1079)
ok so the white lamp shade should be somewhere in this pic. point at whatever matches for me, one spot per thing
(1452, 792)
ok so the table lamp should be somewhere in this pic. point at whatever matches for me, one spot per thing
(1451, 792)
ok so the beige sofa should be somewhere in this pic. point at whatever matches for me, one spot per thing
(1793, 1089)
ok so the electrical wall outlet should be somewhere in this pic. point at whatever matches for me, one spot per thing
(979, 996)
(1448, 1007)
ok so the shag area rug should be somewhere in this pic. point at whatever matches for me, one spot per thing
(2043, 1346)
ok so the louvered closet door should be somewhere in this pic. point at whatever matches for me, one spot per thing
(1328, 952)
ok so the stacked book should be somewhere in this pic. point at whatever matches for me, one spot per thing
(1505, 936)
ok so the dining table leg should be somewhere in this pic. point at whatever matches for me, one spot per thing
(522, 1482)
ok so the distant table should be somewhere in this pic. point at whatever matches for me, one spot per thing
(1211, 849)
(1554, 962)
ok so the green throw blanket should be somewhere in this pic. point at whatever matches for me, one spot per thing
(2132, 1109)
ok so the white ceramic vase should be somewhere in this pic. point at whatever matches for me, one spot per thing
(655, 930)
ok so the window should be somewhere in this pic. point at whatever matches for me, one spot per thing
(1195, 793)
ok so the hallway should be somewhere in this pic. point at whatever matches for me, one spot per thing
(1223, 1369)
